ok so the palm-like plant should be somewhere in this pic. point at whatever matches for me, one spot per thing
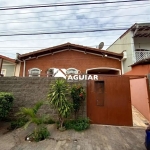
(31, 114)
(40, 132)
(58, 97)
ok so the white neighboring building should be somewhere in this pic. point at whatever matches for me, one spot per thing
(136, 42)
(7, 66)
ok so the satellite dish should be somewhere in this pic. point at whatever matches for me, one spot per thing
(101, 45)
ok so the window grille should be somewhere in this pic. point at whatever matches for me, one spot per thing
(72, 71)
(34, 72)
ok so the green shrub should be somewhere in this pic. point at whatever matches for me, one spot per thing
(40, 133)
(78, 125)
(6, 101)
(78, 96)
(18, 123)
(82, 124)
(69, 124)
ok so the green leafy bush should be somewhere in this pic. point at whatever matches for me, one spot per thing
(78, 96)
(6, 101)
(40, 134)
(82, 124)
(69, 124)
(78, 125)
(18, 123)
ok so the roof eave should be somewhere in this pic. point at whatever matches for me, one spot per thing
(69, 46)
(7, 59)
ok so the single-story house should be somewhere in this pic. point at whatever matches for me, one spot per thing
(108, 99)
(70, 57)
(7, 66)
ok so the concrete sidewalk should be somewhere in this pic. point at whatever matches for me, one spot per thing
(138, 119)
(98, 137)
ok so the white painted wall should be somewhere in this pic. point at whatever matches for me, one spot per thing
(9, 67)
(17, 70)
(124, 43)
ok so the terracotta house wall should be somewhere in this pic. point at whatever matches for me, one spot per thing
(139, 70)
(69, 59)
(139, 96)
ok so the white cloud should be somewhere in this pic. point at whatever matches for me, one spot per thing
(65, 19)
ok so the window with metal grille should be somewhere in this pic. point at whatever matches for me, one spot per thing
(72, 71)
(34, 72)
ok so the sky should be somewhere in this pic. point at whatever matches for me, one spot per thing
(66, 18)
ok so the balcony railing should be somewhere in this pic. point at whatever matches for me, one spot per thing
(140, 55)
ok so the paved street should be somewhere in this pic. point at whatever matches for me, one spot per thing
(98, 137)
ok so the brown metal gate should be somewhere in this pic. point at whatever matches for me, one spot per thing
(109, 101)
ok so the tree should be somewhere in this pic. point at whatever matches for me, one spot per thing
(58, 97)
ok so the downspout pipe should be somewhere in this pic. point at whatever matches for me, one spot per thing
(1, 63)
(122, 61)
(24, 68)
(122, 69)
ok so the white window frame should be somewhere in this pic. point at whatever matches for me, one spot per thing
(76, 71)
(30, 74)
(3, 71)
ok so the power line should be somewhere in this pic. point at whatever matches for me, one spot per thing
(75, 19)
(59, 38)
(83, 8)
(67, 4)
(120, 24)
(57, 3)
(64, 14)
(63, 32)
(62, 29)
